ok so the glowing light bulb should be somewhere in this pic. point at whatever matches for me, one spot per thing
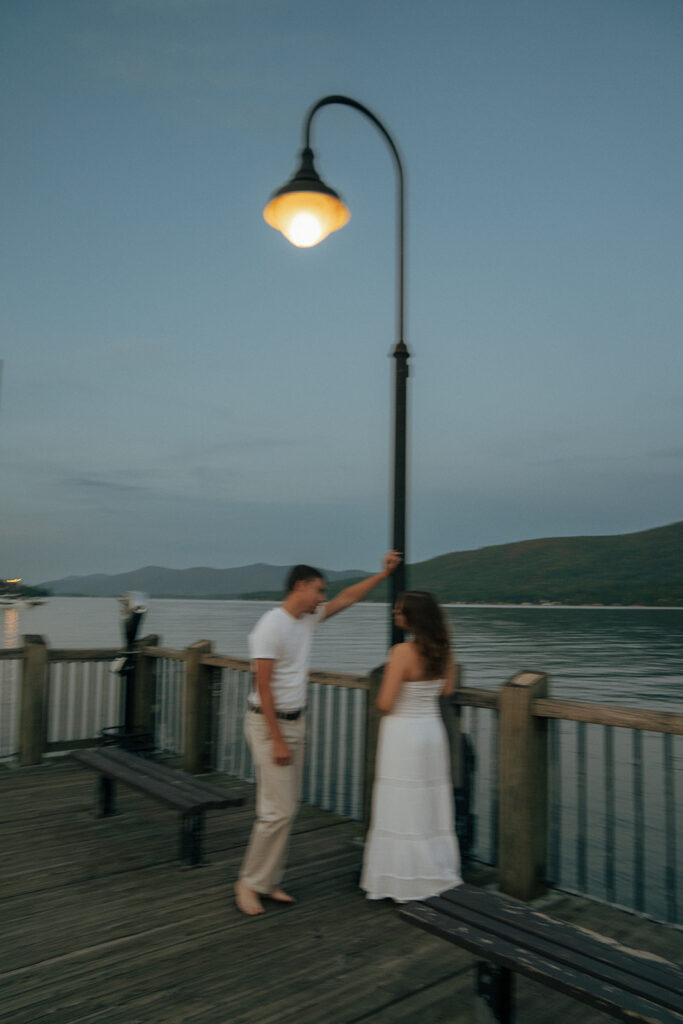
(305, 230)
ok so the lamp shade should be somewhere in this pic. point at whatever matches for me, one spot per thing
(306, 210)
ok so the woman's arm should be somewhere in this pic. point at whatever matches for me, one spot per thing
(451, 678)
(395, 672)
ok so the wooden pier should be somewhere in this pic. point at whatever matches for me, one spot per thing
(99, 924)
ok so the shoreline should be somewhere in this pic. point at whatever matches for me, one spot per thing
(541, 605)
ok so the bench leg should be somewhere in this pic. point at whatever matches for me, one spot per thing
(191, 839)
(495, 994)
(105, 797)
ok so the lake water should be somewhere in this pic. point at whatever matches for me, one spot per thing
(630, 656)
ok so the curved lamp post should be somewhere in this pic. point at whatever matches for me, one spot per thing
(306, 211)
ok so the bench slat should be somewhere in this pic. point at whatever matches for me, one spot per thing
(209, 795)
(623, 972)
(501, 908)
(516, 957)
(129, 777)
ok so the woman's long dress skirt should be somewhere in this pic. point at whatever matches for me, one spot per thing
(411, 850)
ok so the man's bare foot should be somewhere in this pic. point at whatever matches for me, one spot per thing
(280, 896)
(247, 900)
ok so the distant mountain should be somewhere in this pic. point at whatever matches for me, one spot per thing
(197, 582)
(632, 568)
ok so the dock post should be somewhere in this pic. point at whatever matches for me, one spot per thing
(522, 787)
(197, 703)
(34, 691)
(144, 687)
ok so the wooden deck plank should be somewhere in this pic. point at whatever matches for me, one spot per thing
(101, 927)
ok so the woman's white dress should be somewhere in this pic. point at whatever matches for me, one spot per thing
(411, 850)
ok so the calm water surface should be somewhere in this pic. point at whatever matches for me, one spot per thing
(607, 655)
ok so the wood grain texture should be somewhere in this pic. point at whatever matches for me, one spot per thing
(97, 927)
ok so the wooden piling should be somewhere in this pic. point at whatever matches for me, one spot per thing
(34, 690)
(144, 686)
(522, 787)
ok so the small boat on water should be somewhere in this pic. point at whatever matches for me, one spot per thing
(10, 598)
(7, 602)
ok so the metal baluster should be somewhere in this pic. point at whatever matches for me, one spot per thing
(54, 704)
(327, 748)
(670, 829)
(358, 760)
(314, 734)
(215, 719)
(71, 701)
(234, 721)
(243, 684)
(473, 733)
(180, 700)
(227, 722)
(222, 683)
(81, 724)
(162, 710)
(493, 791)
(639, 821)
(99, 683)
(609, 813)
(159, 703)
(581, 807)
(341, 802)
(555, 797)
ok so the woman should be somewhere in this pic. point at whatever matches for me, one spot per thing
(411, 850)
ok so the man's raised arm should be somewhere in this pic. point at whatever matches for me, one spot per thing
(358, 591)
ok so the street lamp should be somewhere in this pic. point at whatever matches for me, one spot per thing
(306, 211)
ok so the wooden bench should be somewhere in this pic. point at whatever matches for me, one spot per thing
(184, 793)
(622, 982)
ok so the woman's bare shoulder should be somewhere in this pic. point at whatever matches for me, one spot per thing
(407, 657)
(403, 652)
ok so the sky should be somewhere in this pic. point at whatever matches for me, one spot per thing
(182, 387)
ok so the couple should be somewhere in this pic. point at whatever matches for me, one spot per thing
(411, 851)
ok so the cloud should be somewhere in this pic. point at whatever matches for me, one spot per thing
(100, 483)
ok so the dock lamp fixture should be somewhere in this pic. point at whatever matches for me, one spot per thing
(306, 211)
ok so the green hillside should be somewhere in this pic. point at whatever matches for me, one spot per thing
(633, 568)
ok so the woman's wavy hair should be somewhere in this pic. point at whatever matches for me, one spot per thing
(426, 622)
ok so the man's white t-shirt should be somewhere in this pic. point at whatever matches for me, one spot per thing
(279, 637)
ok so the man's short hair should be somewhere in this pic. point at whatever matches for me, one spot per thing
(302, 573)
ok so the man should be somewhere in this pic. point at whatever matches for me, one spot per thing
(275, 726)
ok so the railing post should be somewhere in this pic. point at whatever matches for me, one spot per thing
(196, 705)
(144, 686)
(372, 720)
(522, 787)
(34, 689)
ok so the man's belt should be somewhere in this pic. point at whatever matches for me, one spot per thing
(289, 716)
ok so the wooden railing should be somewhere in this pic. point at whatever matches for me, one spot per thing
(192, 701)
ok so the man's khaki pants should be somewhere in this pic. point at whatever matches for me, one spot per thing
(278, 789)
